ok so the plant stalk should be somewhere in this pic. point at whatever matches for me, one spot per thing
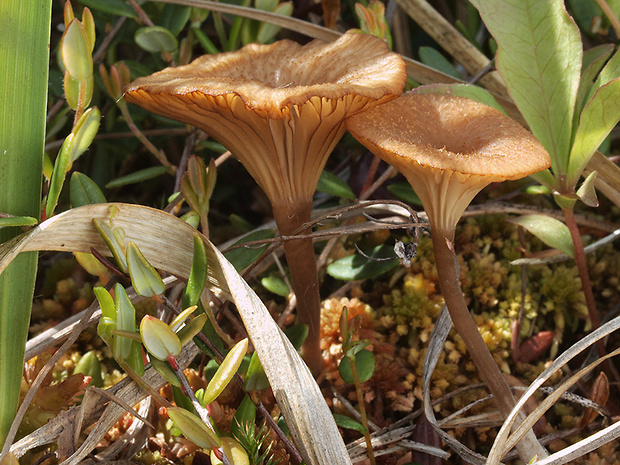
(363, 415)
(584, 275)
(304, 277)
(447, 270)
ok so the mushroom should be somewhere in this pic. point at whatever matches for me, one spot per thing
(449, 148)
(280, 110)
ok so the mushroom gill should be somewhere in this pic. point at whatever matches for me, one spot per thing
(280, 110)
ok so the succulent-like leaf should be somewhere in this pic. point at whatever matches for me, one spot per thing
(89, 365)
(226, 371)
(158, 339)
(85, 131)
(276, 285)
(193, 428)
(197, 275)
(233, 451)
(164, 369)
(145, 279)
(84, 191)
(75, 51)
(125, 321)
(255, 378)
(114, 241)
(192, 328)
(178, 321)
(89, 27)
(91, 264)
(156, 39)
(106, 302)
(61, 166)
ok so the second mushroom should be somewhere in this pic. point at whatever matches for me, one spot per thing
(280, 110)
(449, 148)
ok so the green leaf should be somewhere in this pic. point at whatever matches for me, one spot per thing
(193, 428)
(600, 115)
(106, 302)
(158, 339)
(113, 237)
(276, 286)
(18, 221)
(89, 365)
(297, 334)
(174, 17)
(244, 256)
(75, 51)
(156, 39)
(61, 166)
(136, 359)
(331, 184)
(552, 232)
(356, 266)
(125, 321)
(198, 274)
(433, 58)
(85, 131)
(255, 378)
(84, 191)
(114, 7)
(593, 61)
(178, 321)
(267, 32)
(245, 414)
(365, 364)
(164, 369)
(539, 57)
(226, 371)
(144, 277)
(403, 191)
(138, 176)
(197, 185)
(192, 328)
(349, 423)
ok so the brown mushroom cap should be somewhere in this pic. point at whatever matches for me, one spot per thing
(278, 108)
(449, 148)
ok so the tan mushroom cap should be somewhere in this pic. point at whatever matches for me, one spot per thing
(278, 108)
(449, 148)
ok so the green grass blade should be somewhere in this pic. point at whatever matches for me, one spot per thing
(24, 54)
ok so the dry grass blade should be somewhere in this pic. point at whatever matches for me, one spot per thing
(435, 348)
(154, 231)
(504, 440)
(126, 390)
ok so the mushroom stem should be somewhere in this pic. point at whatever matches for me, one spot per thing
(302, 265)
(447, 270)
